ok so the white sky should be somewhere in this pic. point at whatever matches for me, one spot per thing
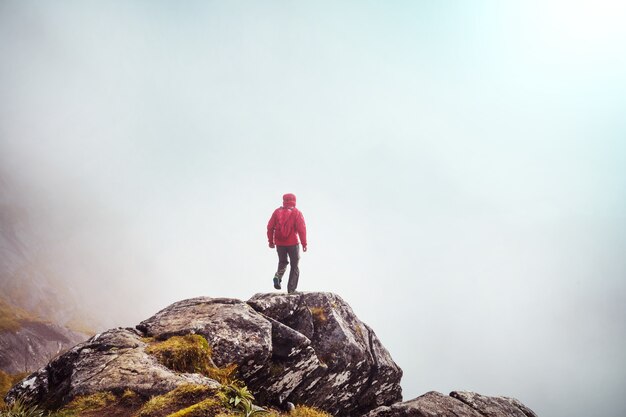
(460, 166)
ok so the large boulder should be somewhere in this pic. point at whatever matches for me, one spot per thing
(324, 356)
(457, 404)
(301, 348)
(112, 361)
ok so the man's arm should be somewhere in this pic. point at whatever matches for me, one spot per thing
(301, 229)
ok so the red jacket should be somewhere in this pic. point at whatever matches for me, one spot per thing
(287, 214)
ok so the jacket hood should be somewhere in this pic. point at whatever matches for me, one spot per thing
(289, 200)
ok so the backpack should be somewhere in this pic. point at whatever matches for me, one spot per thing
(285, 222)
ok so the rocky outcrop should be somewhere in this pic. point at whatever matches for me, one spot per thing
(33, 344)
(457, 404)
(302, 348)
(112, 361)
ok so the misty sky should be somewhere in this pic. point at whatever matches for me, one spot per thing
(460, 165)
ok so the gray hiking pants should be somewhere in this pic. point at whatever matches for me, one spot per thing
(294, 272)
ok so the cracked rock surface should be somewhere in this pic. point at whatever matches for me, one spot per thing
(324, 356)
(457, 404)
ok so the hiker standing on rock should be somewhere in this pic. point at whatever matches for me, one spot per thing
(283, 230)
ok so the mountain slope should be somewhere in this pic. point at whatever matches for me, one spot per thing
(39, 317)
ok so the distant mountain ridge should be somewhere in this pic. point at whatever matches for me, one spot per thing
(27, 342)
(39, 317)
(25, 280)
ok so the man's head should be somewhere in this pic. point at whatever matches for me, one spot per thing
(289, 200)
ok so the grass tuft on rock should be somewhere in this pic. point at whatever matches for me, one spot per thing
(21, 408)
(190, 353)
(305, 411)
(175, 400)
(7, 381)
(101, 404)
(203, 408)
(319, 314)
(84, 403)
(129, 395)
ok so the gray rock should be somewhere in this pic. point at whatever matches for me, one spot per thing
(324, 356)
(293, 361)
(458, 404)
(493, 406)
(112, 361)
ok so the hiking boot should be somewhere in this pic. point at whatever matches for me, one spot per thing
(276, 283)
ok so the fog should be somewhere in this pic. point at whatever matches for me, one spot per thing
(460, 166)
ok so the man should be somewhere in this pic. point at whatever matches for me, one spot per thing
(283, 230)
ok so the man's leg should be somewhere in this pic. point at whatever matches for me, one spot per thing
(282, 265)
(294, 272)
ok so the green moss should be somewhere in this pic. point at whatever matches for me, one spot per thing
(190, 353)
(200, 409)
(181, 397)
(101, 404)
(90, 402)
(305, 411)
